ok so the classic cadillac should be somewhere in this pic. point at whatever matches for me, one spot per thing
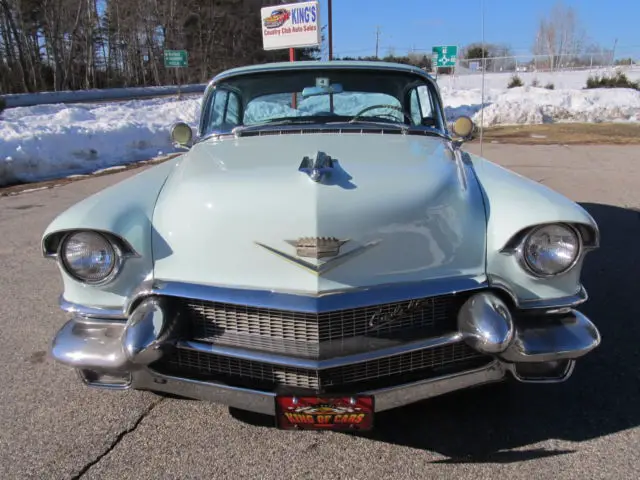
(323, 250)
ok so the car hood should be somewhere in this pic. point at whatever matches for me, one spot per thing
(231, 213)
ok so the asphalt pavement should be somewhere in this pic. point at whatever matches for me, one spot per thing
(53, 427)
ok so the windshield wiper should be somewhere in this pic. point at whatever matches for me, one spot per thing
(399, 126)
(270, 123)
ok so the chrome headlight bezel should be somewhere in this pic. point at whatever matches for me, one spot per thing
(521, 250)
(118, 253)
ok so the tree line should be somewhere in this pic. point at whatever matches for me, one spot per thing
(83, 44)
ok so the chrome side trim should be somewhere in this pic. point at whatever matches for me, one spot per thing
(264, 402)
(570, 301)
(92, 312)
(311, 364)
(322, 302)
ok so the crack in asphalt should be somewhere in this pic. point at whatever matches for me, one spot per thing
(117, 440)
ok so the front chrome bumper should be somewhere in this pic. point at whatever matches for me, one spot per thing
(540, 348)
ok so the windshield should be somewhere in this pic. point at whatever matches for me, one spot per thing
(308, 97)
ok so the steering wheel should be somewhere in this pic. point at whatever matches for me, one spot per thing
(372, 107)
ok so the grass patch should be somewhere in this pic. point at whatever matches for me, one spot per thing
(565, 134)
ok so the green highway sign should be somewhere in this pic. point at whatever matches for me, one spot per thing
(175, 58)
(445, 55)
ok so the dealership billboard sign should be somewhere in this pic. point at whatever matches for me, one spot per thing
(294, 25)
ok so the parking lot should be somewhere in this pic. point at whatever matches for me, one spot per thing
(588, 427)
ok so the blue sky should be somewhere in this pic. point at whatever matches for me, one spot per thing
(420, 24)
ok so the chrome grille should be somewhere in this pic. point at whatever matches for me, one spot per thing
(255, 327)
(197, 364)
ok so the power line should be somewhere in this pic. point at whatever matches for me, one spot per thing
(377, 39)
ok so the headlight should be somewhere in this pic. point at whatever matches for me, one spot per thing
(89, 257)
(551, 249)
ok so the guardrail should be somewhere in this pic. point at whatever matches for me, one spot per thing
(98, 95)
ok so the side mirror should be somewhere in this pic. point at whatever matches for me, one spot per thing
(463, 128)
(181, 134)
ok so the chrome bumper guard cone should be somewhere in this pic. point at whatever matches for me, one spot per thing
(127, 347)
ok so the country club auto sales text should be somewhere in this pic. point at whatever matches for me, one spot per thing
(302, 20)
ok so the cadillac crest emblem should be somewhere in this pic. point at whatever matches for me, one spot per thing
(325, 252)
(317, 247)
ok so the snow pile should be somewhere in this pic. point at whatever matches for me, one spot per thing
(50, 141)
(531, 105)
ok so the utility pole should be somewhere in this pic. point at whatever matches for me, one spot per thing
(330, 33)
(377, 39)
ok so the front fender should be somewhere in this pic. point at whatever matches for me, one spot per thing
(514, 203)
(125, 210)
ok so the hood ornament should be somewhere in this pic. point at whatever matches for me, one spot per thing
(317, 247)
(317, 167)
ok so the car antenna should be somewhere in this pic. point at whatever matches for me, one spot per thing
(484, 66)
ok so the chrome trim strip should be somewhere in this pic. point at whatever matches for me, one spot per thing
(264, 402)
(398, 396)
(244, 398)
(323, 302)
(93, 312)
(311, 364)
(569, 301)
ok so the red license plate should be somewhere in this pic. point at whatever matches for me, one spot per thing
(325, 413)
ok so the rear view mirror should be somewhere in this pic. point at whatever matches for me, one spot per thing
(321, 90)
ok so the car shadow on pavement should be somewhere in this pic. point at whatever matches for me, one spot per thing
(487, 424)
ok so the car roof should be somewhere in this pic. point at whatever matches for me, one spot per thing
(316, 64)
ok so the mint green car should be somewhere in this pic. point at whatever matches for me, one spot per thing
(322, 251)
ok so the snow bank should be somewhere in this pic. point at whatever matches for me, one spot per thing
(531, 105)
(51, 141)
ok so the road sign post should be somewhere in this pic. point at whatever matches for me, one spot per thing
(445, 56)
(176, 59)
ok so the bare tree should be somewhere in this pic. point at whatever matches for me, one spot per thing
(560, 37)
(81, 44)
